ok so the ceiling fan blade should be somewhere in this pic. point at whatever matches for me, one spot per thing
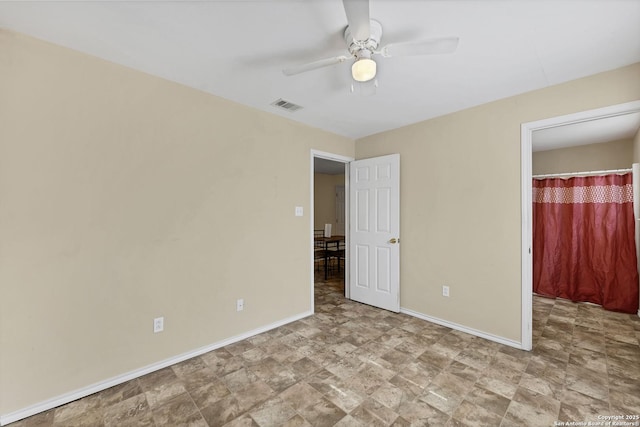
(433, 46)
(291, 71)
(357, 12)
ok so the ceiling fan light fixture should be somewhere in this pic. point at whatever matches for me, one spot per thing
(363, 70)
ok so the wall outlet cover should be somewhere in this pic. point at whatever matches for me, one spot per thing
(158, 325)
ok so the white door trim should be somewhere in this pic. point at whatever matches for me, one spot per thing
(342, 159)
(526, 141)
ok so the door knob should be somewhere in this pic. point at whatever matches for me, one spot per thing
(394, 240)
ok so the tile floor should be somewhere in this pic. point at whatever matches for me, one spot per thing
(354, 365)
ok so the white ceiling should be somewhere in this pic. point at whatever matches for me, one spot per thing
(329, 167)
(237, 49)
(605, 129)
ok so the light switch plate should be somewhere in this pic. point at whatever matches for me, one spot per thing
(299, 211)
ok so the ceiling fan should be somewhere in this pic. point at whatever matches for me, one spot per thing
(363, 36)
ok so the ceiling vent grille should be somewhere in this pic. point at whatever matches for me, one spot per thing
(286, 105)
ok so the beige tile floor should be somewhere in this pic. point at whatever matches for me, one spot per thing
(354, 365)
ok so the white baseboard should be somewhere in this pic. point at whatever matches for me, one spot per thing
(464, 329)
(128, 376)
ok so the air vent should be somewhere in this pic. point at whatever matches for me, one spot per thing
(286, 105)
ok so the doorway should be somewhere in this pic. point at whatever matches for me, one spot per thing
(527, 138)
(328, 172)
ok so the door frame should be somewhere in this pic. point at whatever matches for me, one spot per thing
(340, 159)
(526, 149)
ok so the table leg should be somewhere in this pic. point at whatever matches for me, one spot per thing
(326, 259)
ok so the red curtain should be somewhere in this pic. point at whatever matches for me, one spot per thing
(583, 240)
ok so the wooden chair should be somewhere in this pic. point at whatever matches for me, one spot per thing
(319, 252)
(337, 254)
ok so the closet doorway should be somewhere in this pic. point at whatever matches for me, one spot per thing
(530, 136)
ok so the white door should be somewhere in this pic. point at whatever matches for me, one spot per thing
(340, 211)
(374, 234)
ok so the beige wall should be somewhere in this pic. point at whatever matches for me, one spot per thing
(604, 156)
(461, 199)
(125, 197)
(325, 199)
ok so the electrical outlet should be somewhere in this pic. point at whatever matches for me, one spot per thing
(445, 291)
(240, 305)
(158, 325)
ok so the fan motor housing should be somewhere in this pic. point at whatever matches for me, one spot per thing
(371, 44)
